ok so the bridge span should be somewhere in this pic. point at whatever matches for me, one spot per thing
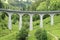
(30, 13)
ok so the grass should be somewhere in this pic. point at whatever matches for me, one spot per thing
(55, 29)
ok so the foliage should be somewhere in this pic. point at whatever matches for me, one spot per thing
(36, 17)
(36, 4)
(41, 34)
(42, 6)
(23, 34)
(3, 23)
(54, 5)
(59, 38)
(15, 18)
(49, 5)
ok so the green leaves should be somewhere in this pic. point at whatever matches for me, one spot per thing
(23, 33)
(41, 34)
(54, 5)
(42, 6)
(49, 5)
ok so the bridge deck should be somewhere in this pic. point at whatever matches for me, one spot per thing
(31, 12)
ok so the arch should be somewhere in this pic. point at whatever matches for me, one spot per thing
(46, 20)
(26, 15)
(35, 18)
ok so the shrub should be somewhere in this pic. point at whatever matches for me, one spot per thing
(41, 34)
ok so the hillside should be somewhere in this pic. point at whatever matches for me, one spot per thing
(55, 29)
(48, 32)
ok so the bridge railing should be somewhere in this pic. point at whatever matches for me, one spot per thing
(30, 13)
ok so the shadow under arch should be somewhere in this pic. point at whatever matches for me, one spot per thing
(15, 18)
(36, 17)
(46, 18)
(57, 14)
(25, 17)
(46, 15)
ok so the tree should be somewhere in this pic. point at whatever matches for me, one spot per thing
(42, 7)
(36, 4)
(41, 34)
(22, 35)
(54, 4)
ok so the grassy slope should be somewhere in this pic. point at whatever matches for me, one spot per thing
(6, 33)
(55, 29)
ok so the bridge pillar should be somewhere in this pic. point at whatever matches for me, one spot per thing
(9, 21)
(52, 20)
(41, 20)
(31, 21)
(20, 21)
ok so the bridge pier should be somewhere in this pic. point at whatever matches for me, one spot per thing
(31, 21)
(9, 21)
(41, 20)
(52, 20)
(20, 21)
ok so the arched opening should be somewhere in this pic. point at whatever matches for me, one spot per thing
(25, 22)
(36, 21)
(15, 21)
(47, 20)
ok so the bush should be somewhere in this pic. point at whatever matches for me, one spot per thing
(23, 34)
(42, 7)
(54, 4)
(41, 34)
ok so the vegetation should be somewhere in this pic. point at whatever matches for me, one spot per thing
(41, 34)
(24, 33)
